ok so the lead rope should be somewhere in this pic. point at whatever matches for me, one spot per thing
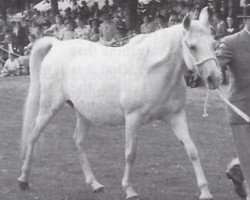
(205, 114)
(233, 107)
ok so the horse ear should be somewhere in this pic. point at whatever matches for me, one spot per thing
(187, 21)
(205, 16)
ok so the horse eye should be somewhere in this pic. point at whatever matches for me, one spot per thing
(192, 47)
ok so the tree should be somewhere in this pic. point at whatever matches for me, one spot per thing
(3, 10)
(54, 7)
(130, 7)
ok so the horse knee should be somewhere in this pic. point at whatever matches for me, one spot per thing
(130, 157)
(33, 139)
(79, 142)
(193, 153)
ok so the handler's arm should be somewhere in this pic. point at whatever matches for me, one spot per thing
(224, 55)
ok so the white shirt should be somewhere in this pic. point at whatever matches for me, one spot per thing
(82, 33)
(11, 65)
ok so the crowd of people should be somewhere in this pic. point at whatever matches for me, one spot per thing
(106, 25)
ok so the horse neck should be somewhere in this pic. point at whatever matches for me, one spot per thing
(166, 50)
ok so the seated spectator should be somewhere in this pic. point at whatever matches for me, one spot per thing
(32, 40)
(107, 29)
(82, 31)
(6, 43)
(11, 67)
(24, 64)
(68, 32)
(173, 19)
(56, 29)
(94, 30)
(119, 36)
(161, 22)
(147, 26)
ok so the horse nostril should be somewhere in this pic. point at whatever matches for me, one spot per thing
(210, 79)
(212, 82)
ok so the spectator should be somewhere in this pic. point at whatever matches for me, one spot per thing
(56, 28)
(173, 19)
(84, 11)
(195, 10)
(230, 26)
(161, 22)
(220, 28)
(147, 26)
(106, 9)
(82, 31)
(21, 37)
(95, 11)
(94, 30)
(32, 40)
(41, 18)
(107, 29)
(120, 34)
(11, 67)
(37, 30)
(68, 32)
(68, 14)
(24, 64)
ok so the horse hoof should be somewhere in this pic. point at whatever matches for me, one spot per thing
(23, 185)
(133, 198)
(207, 196)
(98, 190)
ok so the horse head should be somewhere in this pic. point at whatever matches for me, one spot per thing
(198, 49)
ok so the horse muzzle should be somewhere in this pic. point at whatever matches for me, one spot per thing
(213, 82)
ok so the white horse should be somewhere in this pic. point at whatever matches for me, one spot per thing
(132, 85)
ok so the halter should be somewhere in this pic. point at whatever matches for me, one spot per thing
(198, 64)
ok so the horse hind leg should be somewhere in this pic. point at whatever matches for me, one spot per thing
(179, 126)
(47, 109)
(131, 130)
(82, 128)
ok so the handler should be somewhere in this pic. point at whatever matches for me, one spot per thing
(234, 54)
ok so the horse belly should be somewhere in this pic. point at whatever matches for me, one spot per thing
(95, 93)
(100, 112)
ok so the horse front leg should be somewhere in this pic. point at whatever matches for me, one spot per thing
(82, 128)
(132, 126)
(178, 123)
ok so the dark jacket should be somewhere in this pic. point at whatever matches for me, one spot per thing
(234, 53)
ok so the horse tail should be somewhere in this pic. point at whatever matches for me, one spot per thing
(38, 53)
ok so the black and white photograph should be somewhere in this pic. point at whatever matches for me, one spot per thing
(124, 99)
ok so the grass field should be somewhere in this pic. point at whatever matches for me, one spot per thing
(162, 169)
